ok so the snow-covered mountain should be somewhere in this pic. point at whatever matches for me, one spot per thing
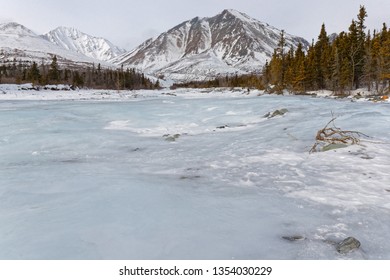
(199, 49)
(16, 29)
(77, 41)
(20, 43)
(202, 48)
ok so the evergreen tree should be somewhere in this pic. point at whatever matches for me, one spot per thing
(310, 68)
(385, 58)
(33, 74)
(278, 66)
(322, 52)
(78, 80)
(298, 82)
(54, 73)
(336, 68)
(266, 74)
(356, 48)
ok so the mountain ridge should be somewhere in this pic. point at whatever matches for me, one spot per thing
(231, 39)
(18, 43)
(73, 39)
(201, 48)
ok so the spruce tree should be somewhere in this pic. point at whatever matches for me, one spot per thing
(278, 65)
(33, 74)
(322, 58)
(385, 58)
(54, 73)
(298, 83)
(310, 68)
(362, 50)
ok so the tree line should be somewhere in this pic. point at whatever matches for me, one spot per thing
(249, 81)
(340, 63)
(97, 77)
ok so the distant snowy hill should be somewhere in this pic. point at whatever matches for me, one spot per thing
(202, 48)
(20, 43)
(15, 29)
(77, 41)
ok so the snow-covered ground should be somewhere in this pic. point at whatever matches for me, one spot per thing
(188, 175)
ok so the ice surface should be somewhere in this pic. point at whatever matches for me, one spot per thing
(98, 180)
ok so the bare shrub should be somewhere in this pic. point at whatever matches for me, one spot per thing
(331, 134)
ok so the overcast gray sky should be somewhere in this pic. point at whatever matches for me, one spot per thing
(128, 23)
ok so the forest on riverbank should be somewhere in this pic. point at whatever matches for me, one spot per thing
(338, 62)
(17, 72)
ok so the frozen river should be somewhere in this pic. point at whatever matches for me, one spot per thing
(192, 176)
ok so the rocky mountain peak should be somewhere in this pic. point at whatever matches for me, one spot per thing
(230, 13)
(72, 39)
(230, 42)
